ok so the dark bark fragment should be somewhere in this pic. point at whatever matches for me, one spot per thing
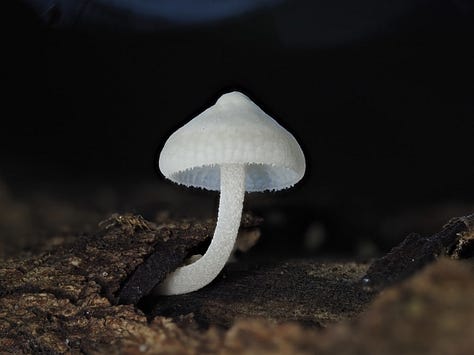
(415, 252)
(169, 253)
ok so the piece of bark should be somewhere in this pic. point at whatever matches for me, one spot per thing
(103, 261)
(79, 283)
(49, 302)
(187, 234)
(455, 240)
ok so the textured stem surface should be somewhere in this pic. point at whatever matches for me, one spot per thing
(198, 274)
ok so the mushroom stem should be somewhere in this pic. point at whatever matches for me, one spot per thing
(200, 273)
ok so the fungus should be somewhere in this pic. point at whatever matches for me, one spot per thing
(231, 147)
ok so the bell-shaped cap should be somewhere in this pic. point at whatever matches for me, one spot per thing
(233, 131)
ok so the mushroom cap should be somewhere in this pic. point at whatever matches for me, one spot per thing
(233, 131)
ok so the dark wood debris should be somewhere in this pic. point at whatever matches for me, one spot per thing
(68, 300)
(103, 261)
(50, 301)
(455, 240)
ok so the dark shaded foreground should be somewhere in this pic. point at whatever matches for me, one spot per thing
(311, 292)
(68, 299)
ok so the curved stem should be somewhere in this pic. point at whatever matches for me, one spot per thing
(198, 274)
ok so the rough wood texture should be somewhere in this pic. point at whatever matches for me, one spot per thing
(66, 300)
(153, 270)
(416, 317)
(430, 313)
(455, 240)
(102, 262)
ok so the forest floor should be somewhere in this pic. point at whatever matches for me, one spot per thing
(90, 290)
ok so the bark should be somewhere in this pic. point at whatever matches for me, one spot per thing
(455, 240)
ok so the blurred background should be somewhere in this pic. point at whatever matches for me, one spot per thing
(380, 94)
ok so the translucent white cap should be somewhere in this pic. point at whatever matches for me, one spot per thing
(233, 131)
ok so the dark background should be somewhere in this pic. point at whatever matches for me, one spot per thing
(379, 95)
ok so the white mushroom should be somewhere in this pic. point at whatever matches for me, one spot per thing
(233, 147)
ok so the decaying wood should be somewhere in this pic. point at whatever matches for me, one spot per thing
(64, 299)
(186, 235)
(50, 301)
(102, 262)
(67, 300)
(455, 240)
